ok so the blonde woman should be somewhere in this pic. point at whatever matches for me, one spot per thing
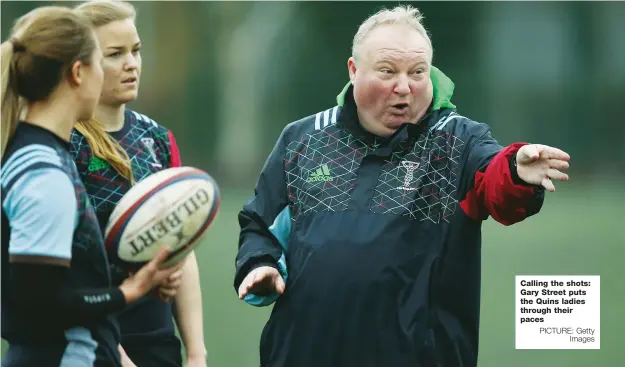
(116, 149)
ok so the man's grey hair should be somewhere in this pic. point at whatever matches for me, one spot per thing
(400, 15)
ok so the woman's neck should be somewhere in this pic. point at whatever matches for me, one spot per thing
(110, 117)
(54, 117)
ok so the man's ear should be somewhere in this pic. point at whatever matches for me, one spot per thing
(76, 74)
(351, 68)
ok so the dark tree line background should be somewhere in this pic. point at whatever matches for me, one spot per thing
(226, 77)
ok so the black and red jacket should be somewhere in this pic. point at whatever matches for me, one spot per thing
(384, 237)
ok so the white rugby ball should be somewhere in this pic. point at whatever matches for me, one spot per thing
(172, 208)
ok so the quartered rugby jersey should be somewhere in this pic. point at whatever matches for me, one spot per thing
(151, 148)
(382, 249)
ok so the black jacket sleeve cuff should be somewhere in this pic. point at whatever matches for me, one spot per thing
(514, 173)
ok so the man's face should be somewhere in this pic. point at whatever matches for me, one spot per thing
(391, 78)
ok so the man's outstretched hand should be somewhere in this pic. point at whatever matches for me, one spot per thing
(540, 164)
(264, 279)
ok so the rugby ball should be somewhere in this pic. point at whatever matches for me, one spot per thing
(173, 208)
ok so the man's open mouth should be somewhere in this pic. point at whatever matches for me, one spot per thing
(400, 108)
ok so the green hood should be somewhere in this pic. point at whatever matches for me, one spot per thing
(443, 90)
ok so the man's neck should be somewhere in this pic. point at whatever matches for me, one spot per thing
(110, 117)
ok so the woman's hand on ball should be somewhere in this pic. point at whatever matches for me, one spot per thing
(149, 276)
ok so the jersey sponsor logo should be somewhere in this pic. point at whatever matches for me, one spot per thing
(410, 168)
(149, 144)
(321, 174)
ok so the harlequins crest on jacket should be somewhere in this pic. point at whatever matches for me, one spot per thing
(382, 250)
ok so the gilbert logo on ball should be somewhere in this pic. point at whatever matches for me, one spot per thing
(171, 208)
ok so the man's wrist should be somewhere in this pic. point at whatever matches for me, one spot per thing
(263, 263)
(514, 170)
(265, 260)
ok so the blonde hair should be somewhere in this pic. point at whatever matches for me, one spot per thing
(100, 13)
(43, 46)
(400, 15)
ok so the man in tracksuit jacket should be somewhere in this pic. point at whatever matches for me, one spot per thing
(365, 224)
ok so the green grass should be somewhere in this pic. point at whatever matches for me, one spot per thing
(579, 231)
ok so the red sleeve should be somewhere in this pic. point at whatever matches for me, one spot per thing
(495, 192)
(174, 158)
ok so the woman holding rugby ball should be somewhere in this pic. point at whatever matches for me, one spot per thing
(115, 149)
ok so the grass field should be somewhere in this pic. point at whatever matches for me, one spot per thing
(581, 230)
